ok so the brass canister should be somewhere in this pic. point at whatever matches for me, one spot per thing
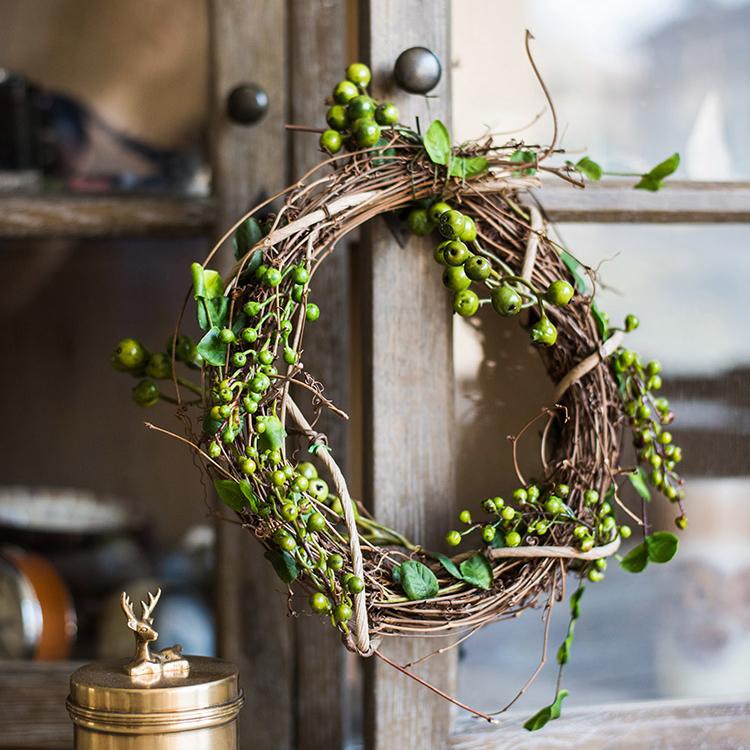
(159, 700)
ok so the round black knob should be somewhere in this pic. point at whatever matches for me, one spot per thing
(247, 104)
(417, 70)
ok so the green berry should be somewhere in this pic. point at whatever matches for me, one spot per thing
(455, 278)
(591, 497)
(456, 253)
(520, 495)
(226, 335)
(681, 522)
(587, 544)
(465, 303)
(344, 92)
(477, 268)
(361, 107)
(290, 356)
(260, 271)
(146, 393)
(319, 489)
(595, 576)
(563, 490)
(214, 449)
(453, 538)
(533, 493)
(247, 466)
(625, 532)
(355, 584)
(506, 300)
(331, 141)
(159, 366)
(359, 74)
(553, 505)
(342, 613)
(251, 309)
(239, 359)
(541, 527)
(260, 383)
(225, 411)
(631, 323)
(298, 292)
(436, 210)
(308, 470)
(265, 356)
(508, 513)
(278, 478)
(273, 277)
(289, 511)
(543, 333)
(559, 293)
(419, 222)
(489, 506)
(336, 117)
(464, 516)
(249, 335)
(319, 603)
(312, 312)
(386, 114)
(452, 224)
(488, 534)
(653, 367)
(300, 275)
(512, 539)
(366, 132)
(335, 562)
(129, 355)
(316, 522)
(469, 231)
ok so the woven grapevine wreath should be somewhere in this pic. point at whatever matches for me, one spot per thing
(491, 248)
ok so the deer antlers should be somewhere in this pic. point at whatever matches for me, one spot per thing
(147, 609)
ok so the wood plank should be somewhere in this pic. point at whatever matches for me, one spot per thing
(102, 216)
(409, 477)
(615, 201)
(32, 705)
(668, 725)
(248, 44)
(316, 62)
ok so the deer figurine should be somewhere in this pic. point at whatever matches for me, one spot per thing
(168, 661)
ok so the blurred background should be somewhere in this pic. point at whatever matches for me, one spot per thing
(111, 98)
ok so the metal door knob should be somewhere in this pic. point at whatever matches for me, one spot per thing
(247, 104)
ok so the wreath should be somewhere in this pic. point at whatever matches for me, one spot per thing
(491, 248)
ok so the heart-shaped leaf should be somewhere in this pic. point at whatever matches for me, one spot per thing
(638, 480)
(418, 581)
(548, 713)
(212, 312)
(477, 571)
(661, 546)
(654, 179)
(467, 166)
(449, 565)
(636, 560)
(437, 143)
(230, 493)
(212, 348)
(589, 168)
(283, 563)
(272, 438)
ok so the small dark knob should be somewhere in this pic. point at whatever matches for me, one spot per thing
(247, 104)
(417, 70)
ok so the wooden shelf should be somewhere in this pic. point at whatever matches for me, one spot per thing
(84, 216)
(616, 201)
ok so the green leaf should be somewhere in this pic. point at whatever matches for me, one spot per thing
(638, 480)
(524, 157)
(250, 496)
(575, 602)
(589, 169)
(247, 234)
(574, 266)
(467, 166)
(602, 321)
(230, 493)
(212, 348)
(548, 713)
(661, 546)
(653, 180)
(418, 581)
(477, 571)
(636, 560)
(396, 574)
(449, 565)
(272, 438)
(563, 653)
(283, 563)
(437, 143)
(212, 312)
(206, 283)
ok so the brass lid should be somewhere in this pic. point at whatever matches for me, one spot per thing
(104, 697)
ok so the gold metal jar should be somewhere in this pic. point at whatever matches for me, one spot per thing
(158, 701)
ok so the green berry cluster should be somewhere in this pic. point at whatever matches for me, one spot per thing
(548, 517)
(355, 118)
(466, 262)
(649, 416)
(130, 356)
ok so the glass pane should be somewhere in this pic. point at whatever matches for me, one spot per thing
(632, 81)
(103, 96)
(674, 631)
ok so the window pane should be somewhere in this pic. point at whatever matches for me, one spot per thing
(679, 630)
(632, 81)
